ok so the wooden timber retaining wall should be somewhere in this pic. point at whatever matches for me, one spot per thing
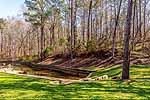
(69, 71)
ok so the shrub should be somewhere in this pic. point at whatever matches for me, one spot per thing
(27, 58)
(79, 48)
(62, 41)
(48, 51)
(91, 47)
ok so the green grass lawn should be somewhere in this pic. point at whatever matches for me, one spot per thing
(14, 87)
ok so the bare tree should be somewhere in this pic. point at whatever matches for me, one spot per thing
(114, 34)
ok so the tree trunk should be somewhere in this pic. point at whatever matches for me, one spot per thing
(133, 28)
(114, 34)
(1, 41)
(88, 26)
(74, 23)
(126, 58)
(42, 41)
(144, 37)
(72, 31)
(140, 20)
(83, 25)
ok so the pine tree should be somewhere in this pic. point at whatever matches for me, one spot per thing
(126, 58)
(37, 14)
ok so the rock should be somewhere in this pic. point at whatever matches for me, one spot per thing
(3, 64)
(116, 78)
(22, 72)
(104, 77)
(98, 78)
(57, 82)
(9, 65)
(88, 79)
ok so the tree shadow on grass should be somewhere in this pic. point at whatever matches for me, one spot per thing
(76, 89)
(111, 72)
(140, 66)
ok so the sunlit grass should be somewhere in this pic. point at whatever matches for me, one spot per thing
(136, 72)
(13, 87)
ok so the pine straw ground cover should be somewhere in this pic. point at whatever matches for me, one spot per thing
(13, 87)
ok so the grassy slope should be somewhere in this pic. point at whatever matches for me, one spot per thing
(136, 72)
(14, 87)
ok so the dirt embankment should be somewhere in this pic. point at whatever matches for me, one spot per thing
(95, 59)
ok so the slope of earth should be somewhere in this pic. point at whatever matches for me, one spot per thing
(99, 59)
